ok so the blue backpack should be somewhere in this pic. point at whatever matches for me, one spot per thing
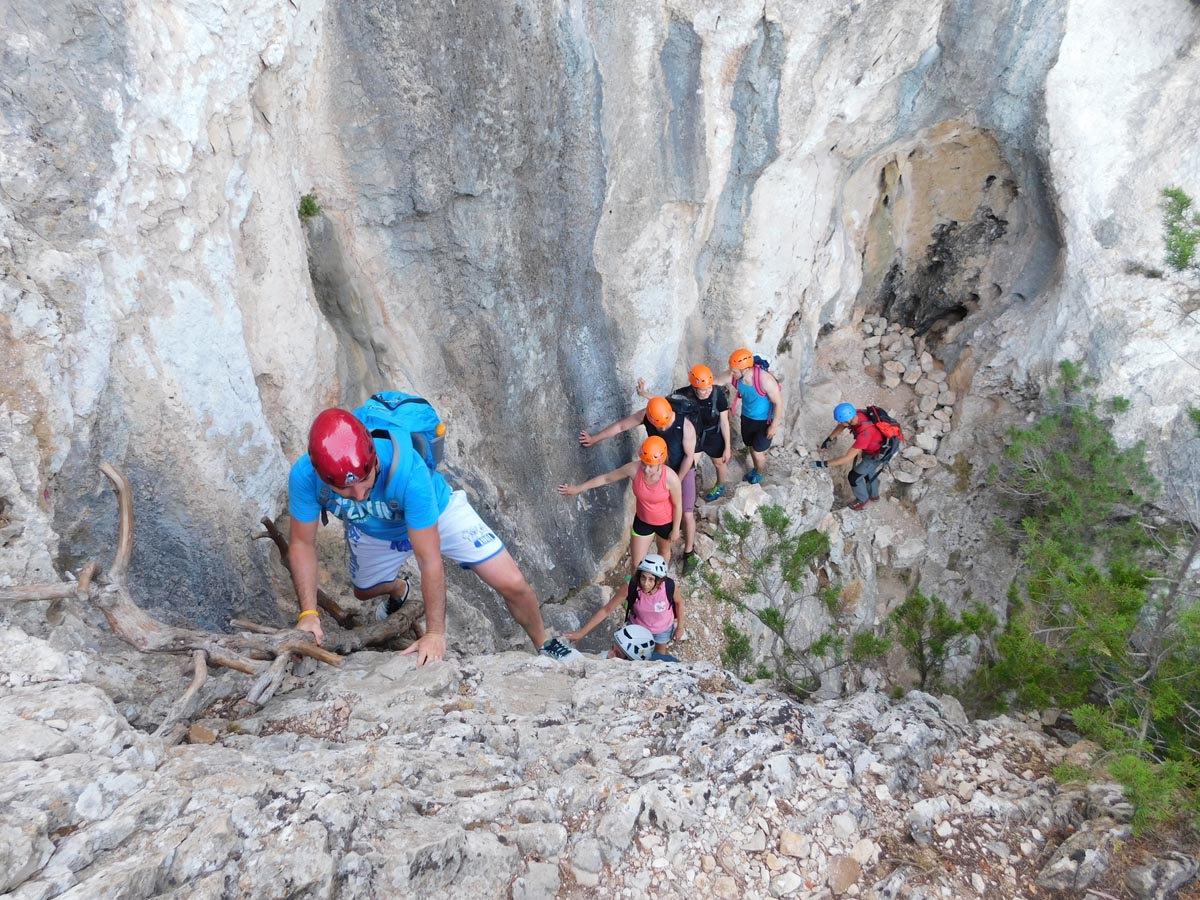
(396, 411)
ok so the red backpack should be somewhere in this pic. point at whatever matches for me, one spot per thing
(893, 437)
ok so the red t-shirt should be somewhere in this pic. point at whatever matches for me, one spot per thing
(867, 438)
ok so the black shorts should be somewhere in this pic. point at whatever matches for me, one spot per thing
(713, 444)
(644, 529)
(754, 434)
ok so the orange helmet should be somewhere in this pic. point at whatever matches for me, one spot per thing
(659, 412)
(654, 451)
(741, 359)
(700, 377)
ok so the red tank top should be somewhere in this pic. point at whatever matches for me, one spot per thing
(653, 500)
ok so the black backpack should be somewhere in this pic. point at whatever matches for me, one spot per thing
(631, 598)
(692, 409)
(893, 436)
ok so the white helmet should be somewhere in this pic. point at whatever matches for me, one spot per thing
(635, 641)
(654, 564)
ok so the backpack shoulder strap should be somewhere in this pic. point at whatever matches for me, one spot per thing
(392, 502)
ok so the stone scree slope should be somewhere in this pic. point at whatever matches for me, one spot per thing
(511, 775)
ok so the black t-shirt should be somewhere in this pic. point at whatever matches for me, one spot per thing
(705, 414)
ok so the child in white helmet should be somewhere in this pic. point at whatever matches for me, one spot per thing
(636, 643)
(651, 601)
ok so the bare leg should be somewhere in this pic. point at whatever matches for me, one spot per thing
(504, 577)
(689, 531)
(663, 545)
(660, 648)
(639, 546)
(760, 461)
(394, 588)
(722, 470)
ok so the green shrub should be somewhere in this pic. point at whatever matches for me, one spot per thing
(780, 570)
(1065, 773)
(930, 634)
(309, 206)
(737, 647)
(1181, 229)
(1099, 617)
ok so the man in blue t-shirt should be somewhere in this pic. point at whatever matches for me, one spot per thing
(394, 508)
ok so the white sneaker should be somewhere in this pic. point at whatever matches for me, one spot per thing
(390, 604)
(560, 650)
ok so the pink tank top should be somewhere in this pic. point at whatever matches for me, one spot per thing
(653, 500)
(653, 610)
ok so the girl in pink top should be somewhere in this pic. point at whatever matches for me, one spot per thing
(652, 600)
(651, 481)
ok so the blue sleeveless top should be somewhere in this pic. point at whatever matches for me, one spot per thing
(754, 405)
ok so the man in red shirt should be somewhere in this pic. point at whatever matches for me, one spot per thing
(866, 454)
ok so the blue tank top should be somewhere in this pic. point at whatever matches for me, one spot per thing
(754, 405)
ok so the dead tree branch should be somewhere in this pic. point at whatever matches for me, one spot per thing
(65, 590)
(324, 601)
(396, 627)
(268, 683)
(185, 706)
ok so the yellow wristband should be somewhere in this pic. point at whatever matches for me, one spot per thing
(307, 612)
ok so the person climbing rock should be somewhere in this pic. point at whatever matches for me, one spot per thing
(636, 643)
(651, 600)
(870, 453)
(707, 406)
(762, 408)
(394, 507)
(658, 499)
(661, 420)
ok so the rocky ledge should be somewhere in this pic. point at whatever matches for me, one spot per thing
(515, 776)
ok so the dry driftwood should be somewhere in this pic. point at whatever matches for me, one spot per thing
(185, 706)
(242, 652)
(258, 650)
(62, 591)
(324, 601)
(396, 628)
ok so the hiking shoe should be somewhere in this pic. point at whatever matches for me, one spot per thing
(560, 650)
(691, 562)
(858, 504)
(390, 604)
(873, 499)
(716, 493)
(753, 476)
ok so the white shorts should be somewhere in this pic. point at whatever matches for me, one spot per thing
(465, 538)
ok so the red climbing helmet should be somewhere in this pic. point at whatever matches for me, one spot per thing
(340, 448)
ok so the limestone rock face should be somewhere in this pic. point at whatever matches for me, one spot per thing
(523, 210)
(494, 776)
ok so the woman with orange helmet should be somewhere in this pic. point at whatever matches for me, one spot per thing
(705, 403)
(762, 406)
(657, 494)
(677, 431)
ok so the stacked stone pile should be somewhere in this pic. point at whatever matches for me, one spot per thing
(901, 358)
(514, 776)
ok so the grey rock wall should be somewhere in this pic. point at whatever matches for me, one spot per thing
(524, 209)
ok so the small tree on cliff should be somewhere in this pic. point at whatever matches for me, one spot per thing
(777, 569)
